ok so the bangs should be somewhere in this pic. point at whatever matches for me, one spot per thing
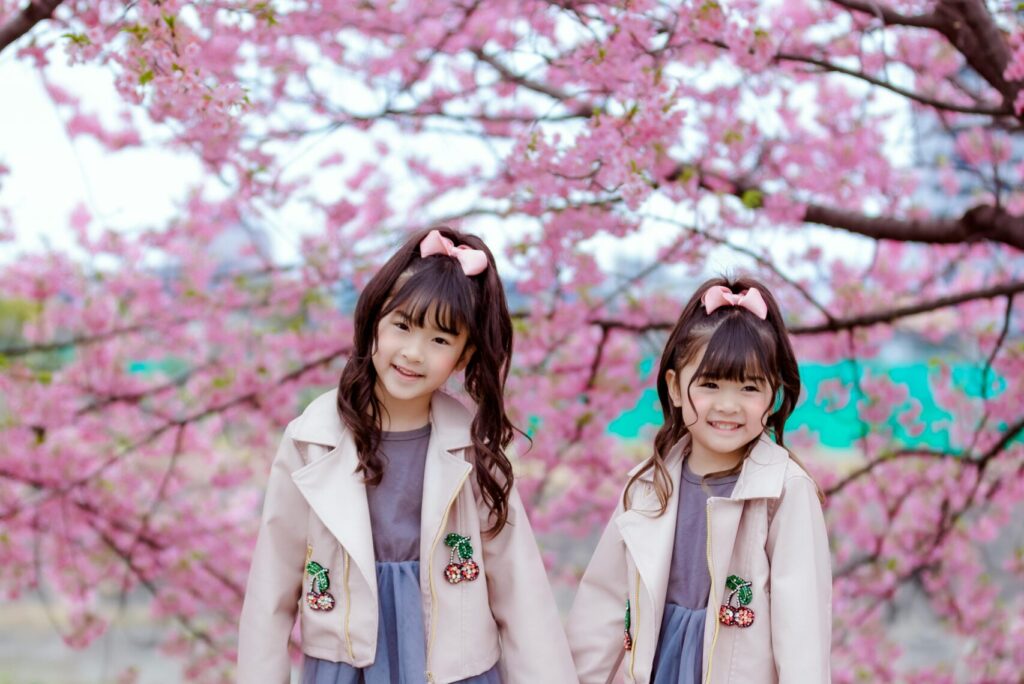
(737, 351)
(435, 295)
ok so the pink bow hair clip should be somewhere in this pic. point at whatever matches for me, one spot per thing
(719, 296)
(473, 261)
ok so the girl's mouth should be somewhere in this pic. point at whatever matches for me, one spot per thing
(406, 373)
(721, 425)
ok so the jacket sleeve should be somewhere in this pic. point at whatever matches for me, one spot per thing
(596, 620)
(801, 586)
(275, 576)
(534, 649)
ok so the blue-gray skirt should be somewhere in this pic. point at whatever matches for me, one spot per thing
(401, 644)
(680, 653)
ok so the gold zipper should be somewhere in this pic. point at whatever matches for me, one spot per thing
(430, 574)
(348, 609)
(714, 597)
(636, 632)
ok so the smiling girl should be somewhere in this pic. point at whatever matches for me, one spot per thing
(391, 521)
(715, 566)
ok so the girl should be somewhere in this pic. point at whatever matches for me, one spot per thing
(390, 520)
(715, 566)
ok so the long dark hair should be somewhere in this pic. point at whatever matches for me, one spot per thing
(739, 345)
(458, 302)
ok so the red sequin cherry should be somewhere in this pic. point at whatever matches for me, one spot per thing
(453, 573)
(470, 570)
(726, 615)
(311, 600)
(744, 617)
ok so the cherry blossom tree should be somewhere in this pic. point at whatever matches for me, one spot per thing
(563, 130)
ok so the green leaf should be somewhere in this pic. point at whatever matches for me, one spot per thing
(465, 548)
(145, 77)
(746, 595)
(319, 574)
(452, 539)
(733, 582)
(138, 30)
(77, 38)
(752, 199)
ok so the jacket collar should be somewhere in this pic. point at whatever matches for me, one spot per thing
(762, 473)
(320, 423)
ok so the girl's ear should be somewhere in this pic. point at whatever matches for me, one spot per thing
(672, 380)
(467, 354)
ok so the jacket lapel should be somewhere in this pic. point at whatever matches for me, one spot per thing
(336, 493)
(761, 477)
(650, 538)
(332, 487)
(444, 472)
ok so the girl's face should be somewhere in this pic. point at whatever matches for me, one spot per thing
(411, 362)
(724, 416)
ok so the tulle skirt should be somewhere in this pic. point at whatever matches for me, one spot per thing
(678, 659)
(401, 644)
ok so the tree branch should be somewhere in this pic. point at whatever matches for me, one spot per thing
(889, 16)
(33, 13)
(890, 315)
(968, 25)
(983, 222)
(1004, 110)
(862, 321)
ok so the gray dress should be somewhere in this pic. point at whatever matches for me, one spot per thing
(679, 656)
(395, 506)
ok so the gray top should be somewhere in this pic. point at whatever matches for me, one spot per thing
(395, 503)
(688, 581)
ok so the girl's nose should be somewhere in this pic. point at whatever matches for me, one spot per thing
(726, 403)
(413, 350)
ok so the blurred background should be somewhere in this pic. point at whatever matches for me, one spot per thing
(193, 194)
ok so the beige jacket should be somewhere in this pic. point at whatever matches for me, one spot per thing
(316, 509)
(771, 531)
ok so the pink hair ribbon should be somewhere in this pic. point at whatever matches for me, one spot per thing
(720, 295)
(473, 261)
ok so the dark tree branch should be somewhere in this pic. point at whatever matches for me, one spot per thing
(889, 16)
(983, 222)
(978, 223)
(969, 26)
(890, 315)
(23, 22)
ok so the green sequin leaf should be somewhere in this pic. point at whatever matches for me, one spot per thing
(746, 595)
(452, 539)
(319, 574)
(733, 582)
(465, 549)
(627, 615)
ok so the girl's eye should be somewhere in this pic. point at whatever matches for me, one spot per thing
(709, 384)
(441, 340)
(401, 325)
(752, 388)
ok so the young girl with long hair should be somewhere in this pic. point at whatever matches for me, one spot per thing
(391, 521)
(715, 566)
